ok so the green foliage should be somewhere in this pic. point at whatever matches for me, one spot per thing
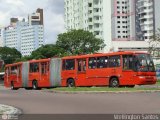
(154, 44)
(23, 59)
(9, 55)
(46, 51)
(79, 42)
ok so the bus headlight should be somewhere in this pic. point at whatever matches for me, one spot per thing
(141, 77)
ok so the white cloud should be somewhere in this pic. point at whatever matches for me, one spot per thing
(53, 14)
(15, 2)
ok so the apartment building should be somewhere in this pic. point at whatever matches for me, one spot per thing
(23, 36)
(1, 41)
(90, 15)
(115, 21)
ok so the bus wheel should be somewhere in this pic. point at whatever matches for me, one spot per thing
(28, 88)
(35, 85)
(70, 83)
(12, 86)
(114, 82)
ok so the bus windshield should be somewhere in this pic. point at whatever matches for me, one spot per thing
(144, 63)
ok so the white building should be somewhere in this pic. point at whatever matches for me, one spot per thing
(113, 20)
(123, 20)
(1, 42)
(90, 15)
(157, 14)
(24, 37)
(1, 36)
(36, 18)
(32, 37)
(145, 19)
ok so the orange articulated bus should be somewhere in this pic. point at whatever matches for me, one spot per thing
(105, 69)
(34, 74)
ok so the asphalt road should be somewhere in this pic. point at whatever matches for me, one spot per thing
(40, 102)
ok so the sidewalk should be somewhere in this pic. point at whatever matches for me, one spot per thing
(9, 110)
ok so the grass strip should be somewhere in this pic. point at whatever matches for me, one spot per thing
(102, 89)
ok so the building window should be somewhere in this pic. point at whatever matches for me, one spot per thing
(89, 4)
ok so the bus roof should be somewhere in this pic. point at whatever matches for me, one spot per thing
(40, 60)
(8, 65)
(105, 54)
(31, 61)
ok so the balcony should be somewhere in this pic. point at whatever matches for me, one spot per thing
(145, 17)
(97, 21)
(97, 6)
(97, 13)
(144, 28)
(145, 11)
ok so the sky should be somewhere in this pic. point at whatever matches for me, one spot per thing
(53, 14)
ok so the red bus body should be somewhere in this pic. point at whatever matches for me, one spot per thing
(35, 70)
(83, 70)
(102, 76)
(13, 76)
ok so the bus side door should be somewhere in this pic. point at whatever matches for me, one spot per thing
(115, 67)
(127, 70)
(44, 78)
(81, 72)
(6, 77)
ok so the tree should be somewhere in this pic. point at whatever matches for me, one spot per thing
(154, 44)
(46, 51)
(23, 59)
(9, 55)
(79, 42)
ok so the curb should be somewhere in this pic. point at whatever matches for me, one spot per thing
(9, 110)
(103, 92)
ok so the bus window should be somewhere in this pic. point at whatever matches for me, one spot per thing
(34, 67)
(81, 65)
(92, 63)
(102, 62)
(128, 62)
(44, 67)
(70, 64)
(144, 63)
(63, 65)
(19, 69)
(14, 70)
(6, 70)
(114, 61)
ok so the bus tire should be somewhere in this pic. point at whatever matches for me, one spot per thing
(114, 82)
(12, 86)
(70, 83)
(28, 88)
(34, 85)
